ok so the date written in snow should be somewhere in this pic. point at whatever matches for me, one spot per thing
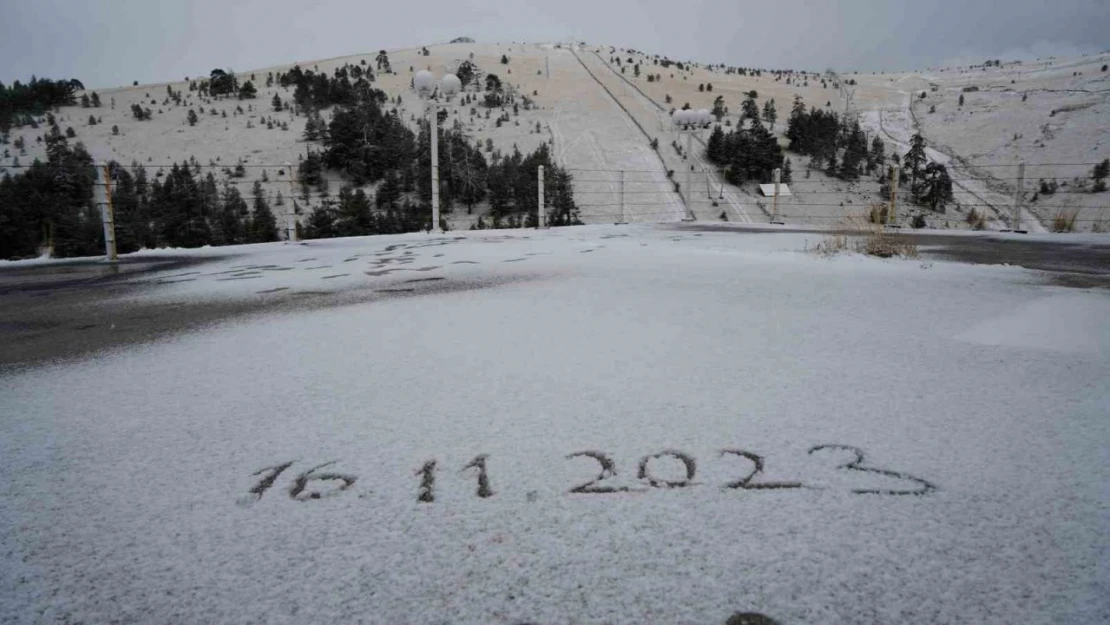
(748, 479)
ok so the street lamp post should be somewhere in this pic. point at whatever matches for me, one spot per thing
(425, 84)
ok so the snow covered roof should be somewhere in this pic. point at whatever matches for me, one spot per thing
(769, 190)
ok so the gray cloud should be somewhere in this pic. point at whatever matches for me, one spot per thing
(113, 42)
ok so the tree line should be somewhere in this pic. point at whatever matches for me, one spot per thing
(365, 143)
(751, 152)
(34, 99)
(51, 205)
(841, 147)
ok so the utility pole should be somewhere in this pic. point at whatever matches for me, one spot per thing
(1017, 199)
(892, 214)
(291, 216)
(107, 214)
(541, 221)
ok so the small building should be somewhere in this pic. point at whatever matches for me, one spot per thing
(768, 190)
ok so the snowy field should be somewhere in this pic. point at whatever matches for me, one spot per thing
(582, 425)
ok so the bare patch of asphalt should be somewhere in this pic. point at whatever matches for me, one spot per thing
(1064, 263)
(66, 311)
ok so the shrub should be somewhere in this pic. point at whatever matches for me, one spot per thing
(1064, 221)
(976, 220)
(878, 213)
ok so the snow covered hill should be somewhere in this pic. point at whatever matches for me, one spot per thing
(600, 119)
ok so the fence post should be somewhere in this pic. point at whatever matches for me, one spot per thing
(689, 192)
(891, 215)
(623, 219)
(541, 221)
(777, 176)
(107, 214)
(1016, 220)
(291, 217)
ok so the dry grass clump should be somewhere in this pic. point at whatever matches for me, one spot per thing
(977, 220)
(865, 237)
(1064, 221)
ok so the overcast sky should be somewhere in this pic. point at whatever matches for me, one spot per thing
(112, 42)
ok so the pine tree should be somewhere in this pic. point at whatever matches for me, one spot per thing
(1099, 174)
(936, 191)
(770, 115)
(715, 148)
(95, 100)
(831, 169)
(718, 107)
(192, 117)
(749, 109)
(915, 159)
(877, 154)
(247, 91)
(855, 152)
(276, 103)
(263, 225)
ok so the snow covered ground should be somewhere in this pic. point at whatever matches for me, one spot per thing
(154, 484)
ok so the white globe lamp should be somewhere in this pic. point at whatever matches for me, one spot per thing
(424, 83)
(450, 85)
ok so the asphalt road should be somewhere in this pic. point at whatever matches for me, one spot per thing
(69, 310)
